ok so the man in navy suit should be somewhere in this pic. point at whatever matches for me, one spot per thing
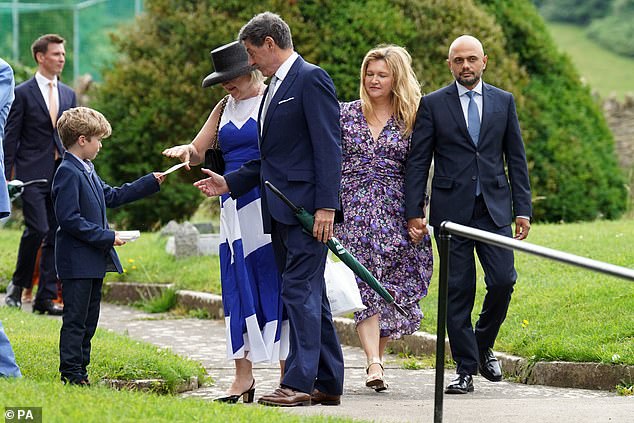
(471, 131)
(300, 153)
(33, 151)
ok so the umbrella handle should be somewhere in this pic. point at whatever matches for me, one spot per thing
(400, 309)
(282, 197)
(35, 181)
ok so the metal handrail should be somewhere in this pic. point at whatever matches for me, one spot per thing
(444, 239)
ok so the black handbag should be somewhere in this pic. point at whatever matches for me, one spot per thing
(213, 156)
(214, 161)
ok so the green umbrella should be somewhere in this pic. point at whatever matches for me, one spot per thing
(307, 220)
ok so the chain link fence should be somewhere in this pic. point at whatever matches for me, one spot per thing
(84, 24)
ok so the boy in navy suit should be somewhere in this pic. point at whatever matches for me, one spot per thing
(84, 242)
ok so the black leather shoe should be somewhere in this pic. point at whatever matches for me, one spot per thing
(490, 366)
(462, 384)
(14, 296)
(47, 306)
(75, 381)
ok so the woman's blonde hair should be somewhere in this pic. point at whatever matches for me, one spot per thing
(256, 77)
(406, 91)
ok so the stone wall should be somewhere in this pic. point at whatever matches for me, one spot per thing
(620, 118)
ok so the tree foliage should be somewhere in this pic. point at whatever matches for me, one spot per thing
(579, 12)
(608, 22)
(153, 98)
(94, 21)
(572, 163)
(616, 31)
(20, 72)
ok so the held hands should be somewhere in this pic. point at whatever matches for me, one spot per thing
(182, 152)
(323, 227)
(522, 226)
(417, 229)
(214, 185)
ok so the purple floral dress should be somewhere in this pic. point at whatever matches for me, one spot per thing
(374, 228)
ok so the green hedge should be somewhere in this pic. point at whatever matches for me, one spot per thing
(573, 168)
(153, 98)
(574, 11)
(20, 72)
(616, 32)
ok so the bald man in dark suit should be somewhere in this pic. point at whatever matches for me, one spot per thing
(471, 131)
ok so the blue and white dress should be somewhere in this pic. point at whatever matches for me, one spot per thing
(256, 324)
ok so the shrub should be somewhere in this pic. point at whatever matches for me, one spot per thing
(615, 32)
(572, 164)
(574, 11)
(21, 72)
(152, 93)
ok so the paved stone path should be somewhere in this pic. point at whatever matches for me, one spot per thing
(411, 394)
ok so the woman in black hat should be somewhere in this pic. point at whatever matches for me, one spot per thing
(257, 331)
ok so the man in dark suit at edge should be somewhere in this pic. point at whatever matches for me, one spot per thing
(300, 153)
(471, 131)
(33, 150)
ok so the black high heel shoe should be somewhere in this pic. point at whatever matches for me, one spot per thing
(247, 396)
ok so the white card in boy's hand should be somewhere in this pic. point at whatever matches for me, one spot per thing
(176, 167)
(128, 235)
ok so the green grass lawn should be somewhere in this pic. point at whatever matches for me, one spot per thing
(143, 260)
(35, 342)
(558, 312)
(561, 312)
(606, 72)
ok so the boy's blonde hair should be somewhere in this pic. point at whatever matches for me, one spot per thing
(82, 121)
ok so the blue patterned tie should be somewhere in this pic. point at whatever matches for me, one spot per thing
(473, 118)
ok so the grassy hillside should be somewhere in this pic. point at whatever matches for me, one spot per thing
(606, 72)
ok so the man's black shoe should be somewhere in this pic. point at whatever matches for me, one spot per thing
(490, 366)
(78, 382)
(47, 306)
(462, 384)
(14, 296)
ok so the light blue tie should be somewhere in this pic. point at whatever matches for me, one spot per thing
(473, 118)
(473, 125)
(269, 95)
(267, 100)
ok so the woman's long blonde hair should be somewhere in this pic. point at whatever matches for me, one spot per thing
(406, 91)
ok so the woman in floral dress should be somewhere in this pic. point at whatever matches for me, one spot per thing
(376, 133)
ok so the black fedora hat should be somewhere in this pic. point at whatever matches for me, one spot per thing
(230, 61)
